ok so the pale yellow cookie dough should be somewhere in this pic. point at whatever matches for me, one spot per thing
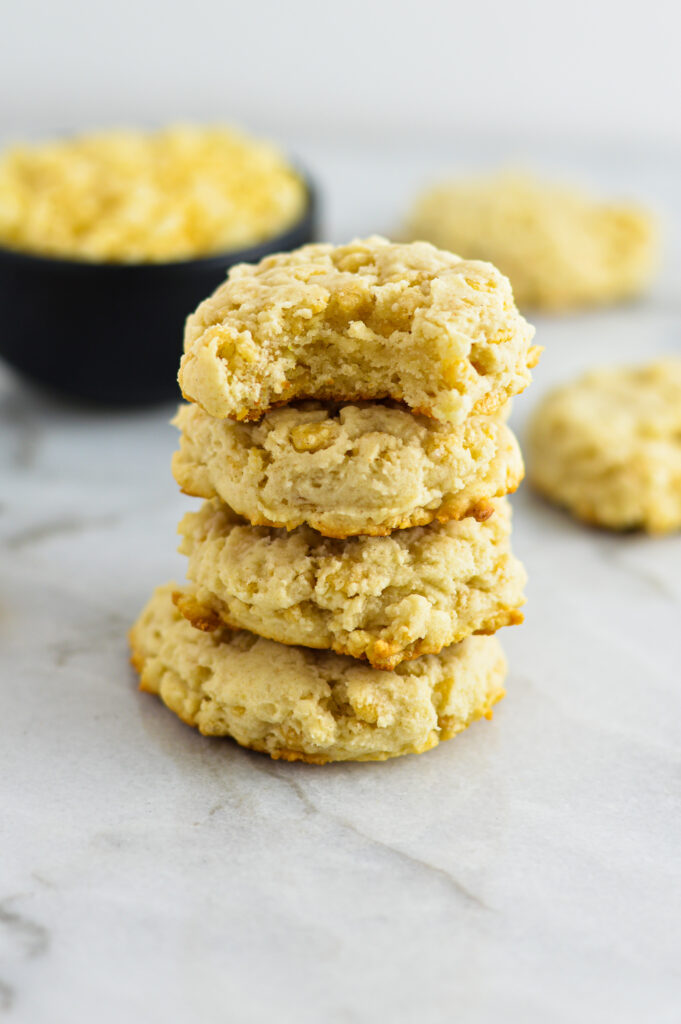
(366, 320)
(608, 447)
(349, 469)
(124, 196)
(561, 249)
(386, 599)
(298, 704)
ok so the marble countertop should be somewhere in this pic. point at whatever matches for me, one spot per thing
(528, 871)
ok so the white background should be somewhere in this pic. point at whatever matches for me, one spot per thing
(381, 71)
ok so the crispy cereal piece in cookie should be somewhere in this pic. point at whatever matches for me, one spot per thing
(386, 599)
(608, 447)
(350, 469)
(297, 704)
(368, 320)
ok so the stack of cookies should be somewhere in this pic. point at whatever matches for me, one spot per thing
(352, 558)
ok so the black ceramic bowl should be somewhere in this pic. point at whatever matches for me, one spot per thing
(112, 332)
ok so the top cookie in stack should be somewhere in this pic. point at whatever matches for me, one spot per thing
(348, 430)
(369, 320)
(405, 323)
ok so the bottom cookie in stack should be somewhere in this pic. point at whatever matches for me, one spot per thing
(308, 705)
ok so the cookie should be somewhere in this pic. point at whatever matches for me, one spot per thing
(608, 447)
(349, 469)
(303, 705)
(561, 249)
(386, 599)
(368, 320)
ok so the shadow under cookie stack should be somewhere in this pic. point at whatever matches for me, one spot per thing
(351, 560)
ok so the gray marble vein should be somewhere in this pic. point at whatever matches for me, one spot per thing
(55, 528)
(30, 936)
(437, 873)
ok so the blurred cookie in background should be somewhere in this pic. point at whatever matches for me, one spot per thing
(561, 248)
(608, 447)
